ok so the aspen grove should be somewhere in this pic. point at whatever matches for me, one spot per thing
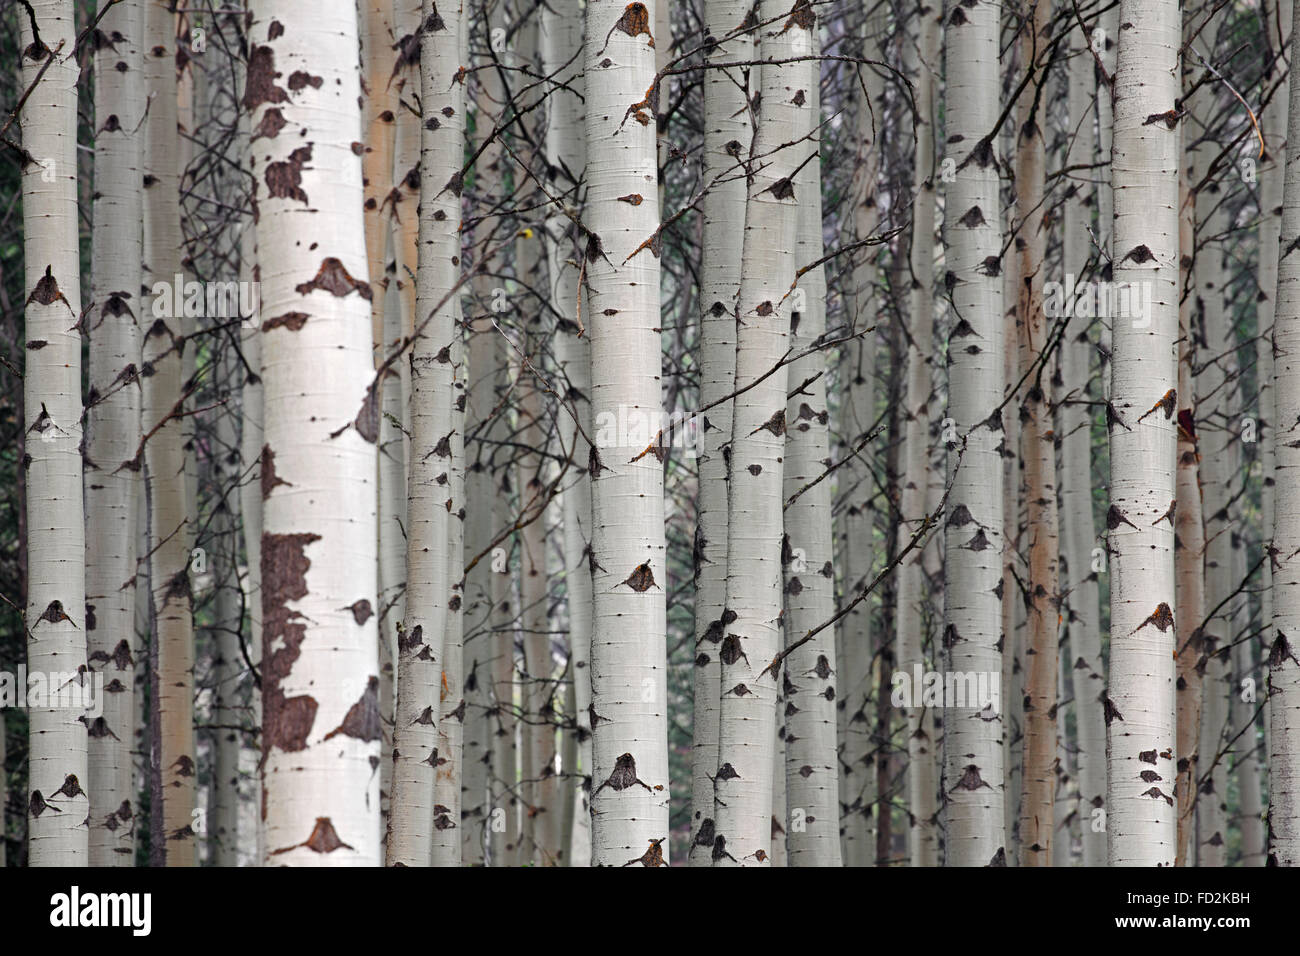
(713, 433)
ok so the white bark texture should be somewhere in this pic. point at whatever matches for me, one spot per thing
(320, 685)
(113, 429)
(629, 804)
(727, 135)
(55, 620)
(921, 60)
(810, 673)
(1284, 628)
(974, 777)
(1140, 822)
(1079, 584)
(751, 620)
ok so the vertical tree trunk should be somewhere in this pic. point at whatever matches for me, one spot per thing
(974, 779)
(1189, 548)
(1042, 600)
(921, 61)
(320, 684)
(1080, 589)
(1283, 666)
(113, 426)
(857, 755)
(163, 422)
(811, 820)
(1140, 707)
(628, 554)
(562, 35)
(56, 617)
(751, 621)
(727, 135)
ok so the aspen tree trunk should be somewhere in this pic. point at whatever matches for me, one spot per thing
(321, 726)
(922, 62)
(1084, 662)
(251, 441)
(162, 420)
(811, 820)
(857, 771)
(391, 485)
(1276, 17)
(542, 809)
(751, 622)
(1218, 425)
(1042, 601)
(562, 35)
(1250, 802)
(418, 760)
(1105, 46)
(228, 663)
(113, 430)
(56, 618)
(1283, 666)
(1012, 610)
(1189, 549)
(727, 136)
(974, 778)
(445, 55)
(1140, 708)
(379, 123)
(628, 683)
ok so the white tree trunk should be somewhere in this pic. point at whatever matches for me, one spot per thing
(321, 725)
(1284, 628)
(1140, 822)
(751, 621)
(727, 122)
(629, 570)
(811, 819)
(113, 430)
(921, 61)
(55, 620)
(974, 778)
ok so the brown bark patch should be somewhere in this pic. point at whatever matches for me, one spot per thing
(334, 278)
(362, 719)
(284, 179)
(260, 85)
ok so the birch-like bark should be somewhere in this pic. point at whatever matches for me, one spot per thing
(1284, 628)
(1273, 122)
(811, 820)
(174, 767)
(561, 42)
(113, 429)
(1080, 585)
(1036, 442)
(320, 684)
(857, 753)
(379, 123)
(417, 757)
(1139, 713)
(974, 778)
(921, 62)
(444, 55)
(56, 614)
(628, 555)
(727, 135)
(751, 620)
(1189, 545)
